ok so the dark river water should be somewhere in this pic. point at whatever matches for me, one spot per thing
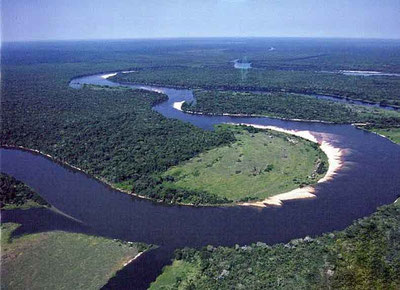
(370, 178)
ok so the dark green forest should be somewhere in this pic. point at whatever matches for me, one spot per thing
(115, 136)
(379, 89)
(15, 193)
(112, 134)
(365, 255)
(290, 106)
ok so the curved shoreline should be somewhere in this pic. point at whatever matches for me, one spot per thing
(178, 106)
(264, 90)
(360, 126)
(72, 167)
(334, 159)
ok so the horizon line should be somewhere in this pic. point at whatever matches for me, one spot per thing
(197, 37)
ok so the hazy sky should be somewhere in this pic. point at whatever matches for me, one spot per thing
(98, 19)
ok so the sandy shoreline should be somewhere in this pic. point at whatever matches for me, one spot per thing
(334, 158)
(106, 76)
(335, 163)
(133, 259)
(178, 105)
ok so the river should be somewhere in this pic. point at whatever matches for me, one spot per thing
(370, 178)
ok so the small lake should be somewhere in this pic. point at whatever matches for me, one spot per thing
(241, 64)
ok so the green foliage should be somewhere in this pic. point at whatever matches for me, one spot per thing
(365, 255)
(112, 133)
(391, 133)
(61, 260)
(371, 89)
(14, 193)
(259, 164)
(290, 106)
(179, 275)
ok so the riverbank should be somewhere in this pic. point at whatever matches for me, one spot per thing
(73, 258)
(72, 167)
(178, 106)
(306, 192)
(259, 164)
(75, 261)
(335, 260)
(335, 159)
(133, 259)
(392, 134)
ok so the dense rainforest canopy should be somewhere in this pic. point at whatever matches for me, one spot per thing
(365, 255)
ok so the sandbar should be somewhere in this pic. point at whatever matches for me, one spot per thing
(334, 155)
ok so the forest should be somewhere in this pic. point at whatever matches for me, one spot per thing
(115, 136)
(289, 106)
(379, 89)
(366, 255)
(14, 193)
(111, 134)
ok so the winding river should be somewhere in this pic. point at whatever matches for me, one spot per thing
(369, 178)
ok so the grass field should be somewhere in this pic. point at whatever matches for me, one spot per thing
(60, 260)
(178, 271)
(258, 165)
(391, 133)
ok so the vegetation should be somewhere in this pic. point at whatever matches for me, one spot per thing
(177, 276)
(290, 106)
(55, 260)
(14, 193)
(61, 260)
(380, 89)
(391, 133)
(365, 255)
(259, 164)
(112, 133)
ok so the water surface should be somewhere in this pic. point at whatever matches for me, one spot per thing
(370, 178)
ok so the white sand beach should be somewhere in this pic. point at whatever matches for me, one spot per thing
(178, 105)
(106, 76)
(335, 163)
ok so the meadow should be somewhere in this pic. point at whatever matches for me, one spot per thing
(259, 164)
(61, 260)
(55, 259)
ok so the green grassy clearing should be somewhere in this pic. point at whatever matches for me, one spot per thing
(259, 164)
(391, 133)
(60, 260)
(172, 275)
